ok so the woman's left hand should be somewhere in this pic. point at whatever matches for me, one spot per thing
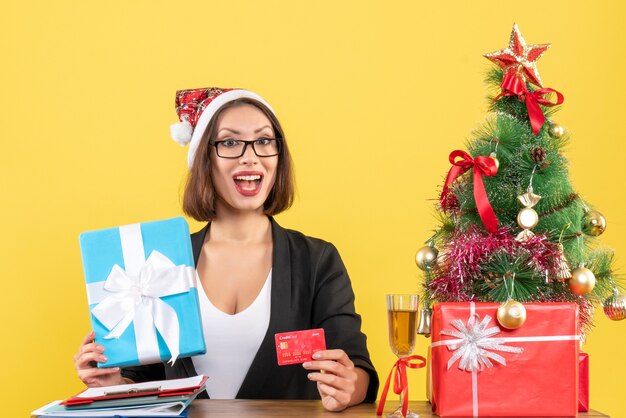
(339, 382)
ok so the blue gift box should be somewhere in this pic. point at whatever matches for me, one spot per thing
(141, 286)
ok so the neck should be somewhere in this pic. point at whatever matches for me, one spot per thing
(241, 228)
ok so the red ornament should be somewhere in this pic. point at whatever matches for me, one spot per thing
(514, 86)
(519, 59)
(483, 166)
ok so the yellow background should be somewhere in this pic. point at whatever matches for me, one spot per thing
(373, 96)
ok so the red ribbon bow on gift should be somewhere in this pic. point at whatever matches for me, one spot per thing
(483, 166)
(512, 85)
(400, 382)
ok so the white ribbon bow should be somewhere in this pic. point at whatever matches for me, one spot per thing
(137, 298)
(475, 343)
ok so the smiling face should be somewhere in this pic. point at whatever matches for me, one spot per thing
(200, 199)
(242, 184)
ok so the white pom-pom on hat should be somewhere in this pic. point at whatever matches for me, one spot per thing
(181, 132)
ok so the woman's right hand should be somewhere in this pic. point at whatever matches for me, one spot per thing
(85, 362)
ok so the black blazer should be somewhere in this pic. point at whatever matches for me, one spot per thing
(310, 289)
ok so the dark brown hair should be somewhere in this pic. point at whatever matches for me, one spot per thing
(199, 196)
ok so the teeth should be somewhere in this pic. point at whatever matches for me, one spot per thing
(248, 178)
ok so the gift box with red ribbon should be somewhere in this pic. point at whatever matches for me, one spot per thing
(482, 369)
(583, 382)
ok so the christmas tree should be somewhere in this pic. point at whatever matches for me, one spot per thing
(512, 227)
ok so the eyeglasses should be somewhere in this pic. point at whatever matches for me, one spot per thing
(235, 148)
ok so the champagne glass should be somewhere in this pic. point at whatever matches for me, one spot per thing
(402, 316)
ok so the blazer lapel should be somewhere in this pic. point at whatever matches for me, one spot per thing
(280, 302)
(197, 239)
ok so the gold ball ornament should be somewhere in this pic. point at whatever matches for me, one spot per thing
(582, 281)
(556, 131)
(426, 257)
(494, 157)
(511, 314)
(615, 307)
(527, 218)
(594, 223)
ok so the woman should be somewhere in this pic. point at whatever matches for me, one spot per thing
(257, 278)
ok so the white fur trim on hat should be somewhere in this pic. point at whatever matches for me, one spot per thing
(210, 110)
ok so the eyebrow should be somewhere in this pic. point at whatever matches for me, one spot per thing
(239, 133)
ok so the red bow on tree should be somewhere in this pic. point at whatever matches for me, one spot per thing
(483, 166)
(400, 382)
(512, 85)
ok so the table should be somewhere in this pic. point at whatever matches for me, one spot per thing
(204, 408)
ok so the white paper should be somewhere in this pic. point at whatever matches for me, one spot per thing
(162, 384)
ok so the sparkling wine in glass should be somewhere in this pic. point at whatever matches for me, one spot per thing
(402, 315)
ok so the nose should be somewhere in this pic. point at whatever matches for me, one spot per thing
(249, 156)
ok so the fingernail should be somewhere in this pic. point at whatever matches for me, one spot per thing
(306, 364)
(116, 368)
(99, 348)
(309, 376)
(316, 356)
(103, 358)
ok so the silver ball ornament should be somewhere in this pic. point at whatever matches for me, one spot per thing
(594, 223)
(426, 257)
(615, 307)
(556, 131)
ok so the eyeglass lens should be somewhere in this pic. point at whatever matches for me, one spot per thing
(264, 147)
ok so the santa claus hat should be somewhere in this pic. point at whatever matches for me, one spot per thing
(195, 109)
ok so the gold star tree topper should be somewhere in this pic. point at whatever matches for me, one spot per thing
(519, 58)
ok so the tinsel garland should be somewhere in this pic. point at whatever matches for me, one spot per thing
(466, 250)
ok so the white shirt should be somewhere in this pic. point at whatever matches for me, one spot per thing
(232, 342)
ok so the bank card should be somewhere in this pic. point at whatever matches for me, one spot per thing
(298, 346)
